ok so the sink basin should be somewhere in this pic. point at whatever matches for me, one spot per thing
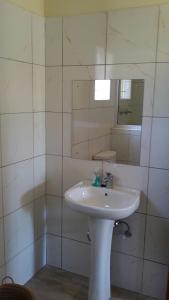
(103, 206)
(111, 204)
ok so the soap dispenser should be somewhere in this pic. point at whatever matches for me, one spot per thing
(96, 179)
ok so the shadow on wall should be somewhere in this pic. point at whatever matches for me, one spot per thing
(25, 241)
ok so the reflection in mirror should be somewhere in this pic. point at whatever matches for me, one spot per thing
(107, 119)
(130, 102)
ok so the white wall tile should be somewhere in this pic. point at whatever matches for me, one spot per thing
(100, 121)
(21, 268)
(2, 272)
(134, 149)
(100, 144)
(38, 88)
(136, 71)
(159, 156)
(18, 185)
(130, 176)
(40, 217)
(81, 94)
(120, 144)
(53, 39)
(135, 244)
(38, 39)
(54, 251)
(67, 134)
(75, 170)
(39, 176)
(157, 242)
(15, 87)
(15, 20)
(17, 236)
(158, 204)
(39, 256)
(54, 89)
(54, 175)
(80, 126)
(154, 280)
(75, 225)
(81, 151)
(54, 133)
(125, 45)
(16, 137)
(39, 133)
(163, 47)
(78, 73)
(126, 271)
(145, 141)
(54, 206)
(1, 205)
(161, 103)
(2, 243)
(84, 39)
(76, 257)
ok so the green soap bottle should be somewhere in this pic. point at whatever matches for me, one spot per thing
(97, 179)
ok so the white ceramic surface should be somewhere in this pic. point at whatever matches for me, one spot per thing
(111, 204)
(103, 206)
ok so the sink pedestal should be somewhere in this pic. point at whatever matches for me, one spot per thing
(101, 231)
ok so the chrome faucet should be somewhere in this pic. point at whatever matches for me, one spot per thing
(108, 181)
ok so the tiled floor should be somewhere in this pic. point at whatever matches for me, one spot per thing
(53, 284)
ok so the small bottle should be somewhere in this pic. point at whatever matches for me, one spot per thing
(96, 179)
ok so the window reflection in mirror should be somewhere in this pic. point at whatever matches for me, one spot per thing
(102, 90)
(130, 102)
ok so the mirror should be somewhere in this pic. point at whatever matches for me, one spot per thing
(107, 120)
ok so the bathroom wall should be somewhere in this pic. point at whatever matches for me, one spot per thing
(128, 44)
(22, 139)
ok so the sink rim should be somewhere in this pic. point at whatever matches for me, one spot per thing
(103, 212)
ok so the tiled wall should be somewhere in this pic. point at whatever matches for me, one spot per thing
(130, 43)
(22, 139)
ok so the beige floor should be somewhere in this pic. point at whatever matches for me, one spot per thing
(53, 284)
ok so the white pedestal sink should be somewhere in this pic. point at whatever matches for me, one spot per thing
(103, 206)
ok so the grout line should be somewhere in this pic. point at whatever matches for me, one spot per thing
(33, 119)
(3, 217)
(45, 24)
(120, 252)
(21, 113)
(85, 65)
(93, 139)
(115, 64)
(61, 263)
(105, 69)
(20, 161)
(150, 144)
(21, 61)
(24, 249)
(21, 207)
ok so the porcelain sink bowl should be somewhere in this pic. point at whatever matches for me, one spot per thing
(111, 204)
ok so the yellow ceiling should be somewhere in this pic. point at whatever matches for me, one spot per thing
(35, 6)
(71, 7)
